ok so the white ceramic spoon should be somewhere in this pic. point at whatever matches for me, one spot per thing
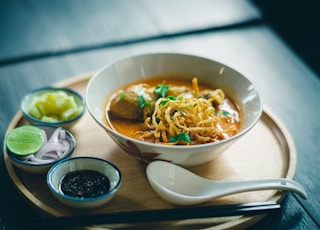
(181, 187)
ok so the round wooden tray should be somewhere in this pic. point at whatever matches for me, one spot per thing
(267, 151)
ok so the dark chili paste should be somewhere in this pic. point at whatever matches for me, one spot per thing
(85, 184)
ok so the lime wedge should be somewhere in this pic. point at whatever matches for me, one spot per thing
(25, 140)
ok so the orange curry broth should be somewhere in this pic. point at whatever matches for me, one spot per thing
(129, 127)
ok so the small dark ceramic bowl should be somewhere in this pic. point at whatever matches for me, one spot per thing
(59, 171)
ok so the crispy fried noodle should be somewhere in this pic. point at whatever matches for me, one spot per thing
(194, 117)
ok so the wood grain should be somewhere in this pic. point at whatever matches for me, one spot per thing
(39, 29)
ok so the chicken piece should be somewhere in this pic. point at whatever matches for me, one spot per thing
(184, 90)
(135, 102)
(179, 91)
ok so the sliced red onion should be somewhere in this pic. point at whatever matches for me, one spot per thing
(33, 159)
(67, 146)
(55, 136)
(50, 147)
(63, 134)
(54, 148)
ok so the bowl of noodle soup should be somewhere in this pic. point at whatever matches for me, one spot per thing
(174, 107)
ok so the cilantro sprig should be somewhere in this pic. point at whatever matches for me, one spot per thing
(122, 95)
(168, 98)
(143, 102)
(180, 137)
(162, 89)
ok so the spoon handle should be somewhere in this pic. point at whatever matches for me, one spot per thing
(254, 185)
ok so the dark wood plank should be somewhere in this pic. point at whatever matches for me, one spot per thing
(32, 28)
(292, 216)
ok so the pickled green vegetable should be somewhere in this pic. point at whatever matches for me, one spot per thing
(54, 106)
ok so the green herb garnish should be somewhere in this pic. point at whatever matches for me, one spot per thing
(225, 113)
(172, 98)
(180, 98)
(122, 95)
(143, 102)
(161, 90)
(180, 137)
(164, 101)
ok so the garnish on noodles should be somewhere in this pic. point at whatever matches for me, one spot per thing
(174, 114)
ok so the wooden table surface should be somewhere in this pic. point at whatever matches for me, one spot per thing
(44, 42)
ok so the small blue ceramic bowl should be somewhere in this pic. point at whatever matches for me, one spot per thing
(76, 164)
(40, 92)
(42, 168)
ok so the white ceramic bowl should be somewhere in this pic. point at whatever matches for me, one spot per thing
(41, 168)
(217, 75)
(59, 170)
(28, 98)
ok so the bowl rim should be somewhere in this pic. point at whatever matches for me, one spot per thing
(72, 149)
(205, 145)
(52, 88)
(77, 199)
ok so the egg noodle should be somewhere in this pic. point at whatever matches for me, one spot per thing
(194, 120)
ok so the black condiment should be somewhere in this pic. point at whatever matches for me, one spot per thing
(85, 184)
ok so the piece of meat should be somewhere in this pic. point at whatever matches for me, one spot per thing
(179, 90)
(128, 104)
